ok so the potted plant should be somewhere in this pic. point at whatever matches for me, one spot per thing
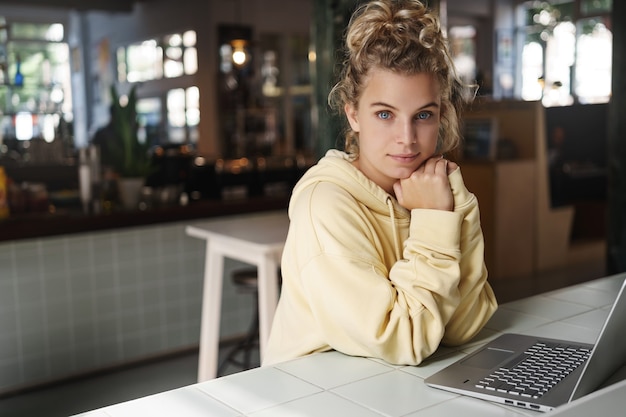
(129, 158)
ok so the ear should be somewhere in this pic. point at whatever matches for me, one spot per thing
(351, 115)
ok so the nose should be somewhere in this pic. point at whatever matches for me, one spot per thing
(406, 133)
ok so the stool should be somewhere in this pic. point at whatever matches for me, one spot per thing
(246, 281)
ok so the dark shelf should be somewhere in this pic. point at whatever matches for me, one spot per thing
(28, 226)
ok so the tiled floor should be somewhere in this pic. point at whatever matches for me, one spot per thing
(87, 394)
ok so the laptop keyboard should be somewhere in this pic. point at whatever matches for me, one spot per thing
(538, 369)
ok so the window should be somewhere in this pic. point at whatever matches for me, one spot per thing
(173, 62)
(35, 95)
(47, 32)
(170, 56)
(566, 56)
(173, 115)
(190, 53)
(463, 51)
(149, 118)
(589, 7)
(176, 120)
(192, 113)
(143, 62)
(593, 60)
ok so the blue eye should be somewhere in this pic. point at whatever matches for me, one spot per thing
(384, 115)
(423, 115)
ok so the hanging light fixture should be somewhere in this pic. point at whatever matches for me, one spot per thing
(240, 39)
(235, 42)
(240, 56)
(236, 39)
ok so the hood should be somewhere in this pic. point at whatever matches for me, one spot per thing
(336, 167)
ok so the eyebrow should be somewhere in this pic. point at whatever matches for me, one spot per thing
(383, 104)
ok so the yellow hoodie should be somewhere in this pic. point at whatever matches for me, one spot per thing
(366, 277)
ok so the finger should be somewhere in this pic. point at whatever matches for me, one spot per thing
(435, 164)
(452, 166)
(442, 167)
(430, 165)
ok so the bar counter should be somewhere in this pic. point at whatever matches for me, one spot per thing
(83, 293)
(333, 384)
(64, 222)
(214, 188)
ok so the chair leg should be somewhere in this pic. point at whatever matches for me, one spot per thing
(245, 346)
(251, 340)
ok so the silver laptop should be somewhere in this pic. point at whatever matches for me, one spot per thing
(539, 373)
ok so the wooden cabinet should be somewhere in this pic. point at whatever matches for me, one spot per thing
(506, 195)
(523, 233)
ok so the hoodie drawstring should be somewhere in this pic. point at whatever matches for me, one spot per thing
(396, 239)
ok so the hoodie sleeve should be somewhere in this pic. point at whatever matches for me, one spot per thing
(474, 301)
(362, 308)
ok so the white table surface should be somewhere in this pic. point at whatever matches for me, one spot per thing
(257, 239)
(332, 384)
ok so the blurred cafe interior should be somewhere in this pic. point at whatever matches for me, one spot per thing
(224, 107)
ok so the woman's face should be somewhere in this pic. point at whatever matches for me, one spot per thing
(397, 119)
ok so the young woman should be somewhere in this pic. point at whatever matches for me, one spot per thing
(384, 257)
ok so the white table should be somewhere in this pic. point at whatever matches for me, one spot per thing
(257, 239)
(332, 384)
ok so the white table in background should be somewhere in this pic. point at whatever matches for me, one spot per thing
(333, 384)
(257, 239)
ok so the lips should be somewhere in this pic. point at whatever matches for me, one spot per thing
(405, 158)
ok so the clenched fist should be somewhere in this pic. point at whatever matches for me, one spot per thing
(428, 186)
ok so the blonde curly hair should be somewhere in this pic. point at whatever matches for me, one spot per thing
(405, 37)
